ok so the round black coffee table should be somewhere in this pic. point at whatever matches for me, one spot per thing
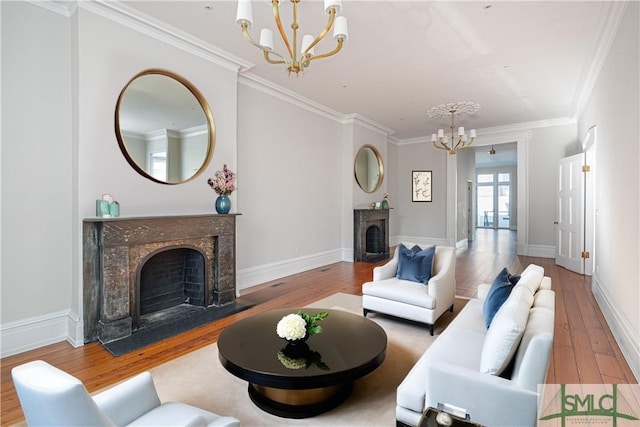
(307, 379)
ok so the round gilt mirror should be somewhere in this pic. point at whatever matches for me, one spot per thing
(368, 168)
(164, 127)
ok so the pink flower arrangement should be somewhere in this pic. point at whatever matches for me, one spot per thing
(224, 182)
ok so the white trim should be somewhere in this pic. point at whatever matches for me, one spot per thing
(368, 123)
(253, 81)
(134, 19)
(252, 276)
(38, 331)
(609, 19)
(462, 244)
(498, 132)
(66, 10)
(347, 255)
(628, 340)
(542, 251)
(524, 127)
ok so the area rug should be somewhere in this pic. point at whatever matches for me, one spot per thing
(199, 379)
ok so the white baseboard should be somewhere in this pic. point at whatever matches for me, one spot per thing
(249, 277)
(621, 328)
(462, 244)
(542, 251)
(347, 254)
(35, 332)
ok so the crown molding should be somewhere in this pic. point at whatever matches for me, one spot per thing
(526, 126)
(255, 82)
(64, 8)
(609, 19)
(367, 123)
(496, 130)
(134, 19)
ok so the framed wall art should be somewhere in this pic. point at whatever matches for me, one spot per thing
(421, 186)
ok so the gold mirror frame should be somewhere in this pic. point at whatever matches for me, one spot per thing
(363, 167)
(208, 116)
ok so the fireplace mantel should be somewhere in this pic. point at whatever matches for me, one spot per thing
(114, 250)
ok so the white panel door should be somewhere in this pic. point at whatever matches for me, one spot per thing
(570, 214)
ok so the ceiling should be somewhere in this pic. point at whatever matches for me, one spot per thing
(521, 61)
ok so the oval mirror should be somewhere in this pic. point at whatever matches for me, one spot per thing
(164, 127)
(368, 168)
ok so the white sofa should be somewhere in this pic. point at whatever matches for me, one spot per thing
(451, 370)
(411, 300)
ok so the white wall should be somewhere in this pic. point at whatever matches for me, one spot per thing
(289, 188)
(37, 231)
(548, 145)
(614, 108)
(420, 222)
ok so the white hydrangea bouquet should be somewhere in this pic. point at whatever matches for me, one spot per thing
(299, 326)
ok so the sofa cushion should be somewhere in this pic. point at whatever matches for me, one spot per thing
(498, 294)
(505, 332)
(403, 291)
(531, 277)
(415, 264)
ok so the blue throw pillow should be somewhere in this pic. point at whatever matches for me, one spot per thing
(415, 264)
(498, 294)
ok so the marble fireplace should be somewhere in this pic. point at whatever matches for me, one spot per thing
(140, 265)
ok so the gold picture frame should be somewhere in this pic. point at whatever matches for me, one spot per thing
(421, 185)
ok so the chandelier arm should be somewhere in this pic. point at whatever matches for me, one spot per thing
(332, 16)
(247, 36)
(271, 61)
(326, 55)
(276, 15)
(437, 146)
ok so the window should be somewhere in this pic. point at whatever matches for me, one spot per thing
(158, 162)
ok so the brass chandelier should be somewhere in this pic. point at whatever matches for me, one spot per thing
(440, 140)
(298, 60)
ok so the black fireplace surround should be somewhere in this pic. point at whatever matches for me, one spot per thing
(370, 235)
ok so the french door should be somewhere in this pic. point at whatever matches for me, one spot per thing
(493, 200)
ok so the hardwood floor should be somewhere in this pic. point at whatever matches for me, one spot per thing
(584, 350)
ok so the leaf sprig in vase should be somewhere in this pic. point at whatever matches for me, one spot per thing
(299, 326)
(224, 181)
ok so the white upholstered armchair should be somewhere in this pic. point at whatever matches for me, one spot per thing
(412, 300)
(51, 397)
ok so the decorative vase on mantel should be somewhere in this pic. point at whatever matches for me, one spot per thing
(223, 204)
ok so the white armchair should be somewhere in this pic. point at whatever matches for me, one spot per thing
(412, 300)
(52, 397)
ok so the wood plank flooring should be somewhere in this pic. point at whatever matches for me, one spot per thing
(584, 350)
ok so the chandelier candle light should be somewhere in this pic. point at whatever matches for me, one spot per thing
(444, 110)
(298, 60)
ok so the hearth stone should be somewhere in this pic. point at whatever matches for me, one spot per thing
(115, 249)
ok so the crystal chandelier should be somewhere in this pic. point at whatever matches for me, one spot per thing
(441, 141)
(298, 59)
